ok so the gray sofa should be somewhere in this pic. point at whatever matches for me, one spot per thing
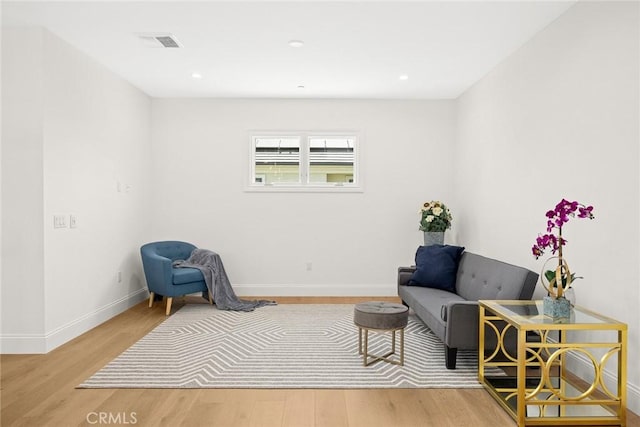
(453, 317)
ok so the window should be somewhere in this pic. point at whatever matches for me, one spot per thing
(277, 160)
(304, 161)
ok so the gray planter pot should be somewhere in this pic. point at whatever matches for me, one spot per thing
(433, 238)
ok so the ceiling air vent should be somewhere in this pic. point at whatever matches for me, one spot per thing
(159, 40)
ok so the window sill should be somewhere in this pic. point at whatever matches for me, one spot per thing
(303, 189)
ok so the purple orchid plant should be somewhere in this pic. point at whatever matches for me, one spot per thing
(557, 218)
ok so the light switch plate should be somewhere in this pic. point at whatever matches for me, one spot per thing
(59, 221)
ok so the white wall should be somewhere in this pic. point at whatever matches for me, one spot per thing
(354, 241)
(22, 200)
(0, 182)
(559, 118)
(73, 130)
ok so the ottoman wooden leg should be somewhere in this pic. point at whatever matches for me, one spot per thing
(369, 359)
(366, 348)
(401, 346)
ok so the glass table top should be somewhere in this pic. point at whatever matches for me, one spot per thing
(529, 313)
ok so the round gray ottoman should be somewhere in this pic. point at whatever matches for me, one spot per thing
(380, 317)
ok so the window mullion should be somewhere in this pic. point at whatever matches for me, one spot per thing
(304, 159)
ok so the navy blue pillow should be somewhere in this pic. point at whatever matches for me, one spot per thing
(437, 267)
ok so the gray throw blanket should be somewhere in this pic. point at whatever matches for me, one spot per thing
(217, 281)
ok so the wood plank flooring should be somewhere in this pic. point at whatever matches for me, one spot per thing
(39, 390)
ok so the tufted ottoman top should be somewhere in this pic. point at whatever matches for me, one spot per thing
(380, 315)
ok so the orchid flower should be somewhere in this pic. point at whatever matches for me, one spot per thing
(556, 218)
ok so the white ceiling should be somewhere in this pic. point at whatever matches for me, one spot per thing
(352, 49)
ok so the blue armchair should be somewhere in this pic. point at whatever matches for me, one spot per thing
(163, 279)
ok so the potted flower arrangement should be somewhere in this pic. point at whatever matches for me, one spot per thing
(558, 281)
(435, 218)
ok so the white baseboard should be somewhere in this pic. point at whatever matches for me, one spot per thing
(633, 398)
(22, 344)
(315, 290)
(581, 366)
(39, 344)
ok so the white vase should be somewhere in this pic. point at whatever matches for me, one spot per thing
(433, 238)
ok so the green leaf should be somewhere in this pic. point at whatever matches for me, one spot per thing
(551, 274)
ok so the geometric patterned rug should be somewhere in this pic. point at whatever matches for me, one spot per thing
(282, 346)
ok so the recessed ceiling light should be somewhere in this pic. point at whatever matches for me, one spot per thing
(296, 43)
(196, 75)
(404, 77)
(300, 86)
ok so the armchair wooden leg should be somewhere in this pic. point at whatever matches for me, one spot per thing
(151, 297)
(210, 299)
(169, 301)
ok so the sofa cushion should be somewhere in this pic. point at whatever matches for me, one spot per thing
(436, 267)
(485, 278)
(186, 275)
(427, 304)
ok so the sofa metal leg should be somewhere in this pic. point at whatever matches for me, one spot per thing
(151, 296)
(450, 355)
(169, 301)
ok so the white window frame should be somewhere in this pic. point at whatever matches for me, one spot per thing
(304, 185)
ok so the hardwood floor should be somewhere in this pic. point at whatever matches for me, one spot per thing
(38, 390)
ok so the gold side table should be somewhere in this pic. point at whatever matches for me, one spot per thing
(537, 388)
